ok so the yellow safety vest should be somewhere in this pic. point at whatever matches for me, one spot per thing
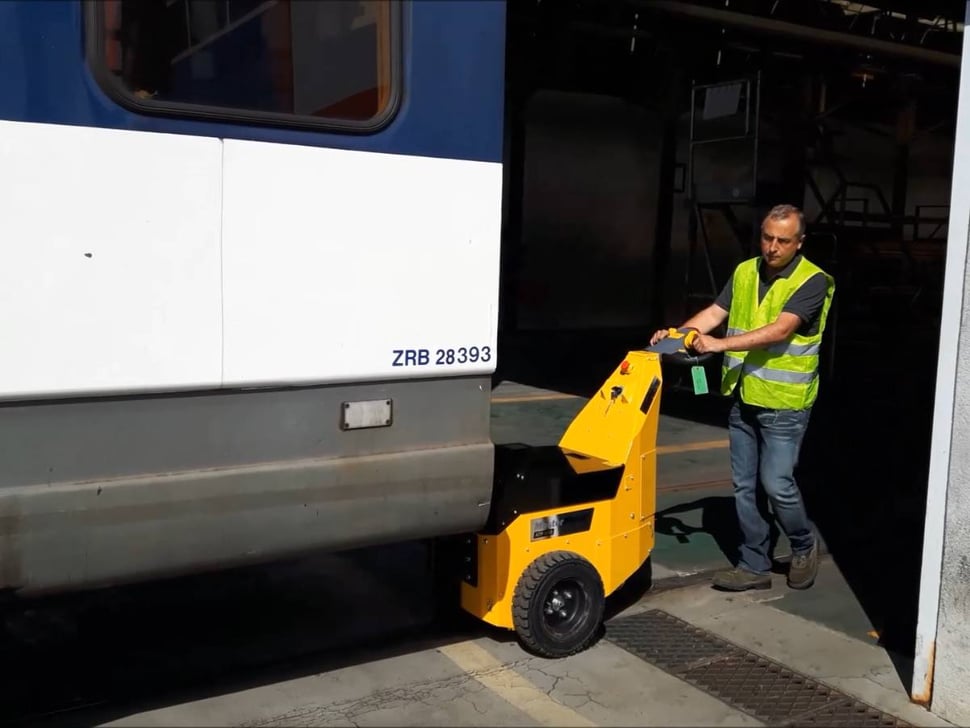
(785, 375)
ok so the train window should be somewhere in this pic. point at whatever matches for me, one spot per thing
(328, 62)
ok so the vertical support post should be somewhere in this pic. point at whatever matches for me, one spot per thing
(905, 130)
(953, 302)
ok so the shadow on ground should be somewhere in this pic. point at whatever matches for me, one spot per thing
(100, 656)
(97, 656)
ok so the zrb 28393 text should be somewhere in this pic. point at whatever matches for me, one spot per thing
(441, 357)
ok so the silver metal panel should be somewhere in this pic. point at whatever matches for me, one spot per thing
(370, 413)
(107, 532)
(50, 442)
(544, 527)
(106, 491)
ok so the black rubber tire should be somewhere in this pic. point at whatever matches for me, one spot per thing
(570, 578)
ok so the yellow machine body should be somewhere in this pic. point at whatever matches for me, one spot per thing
(612, 442)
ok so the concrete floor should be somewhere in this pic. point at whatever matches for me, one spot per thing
(485, 678)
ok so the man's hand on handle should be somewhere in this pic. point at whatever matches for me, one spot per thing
(702, 343)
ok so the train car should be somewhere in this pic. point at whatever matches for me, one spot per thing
(250, 281)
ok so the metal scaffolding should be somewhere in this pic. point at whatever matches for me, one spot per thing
(724, 123)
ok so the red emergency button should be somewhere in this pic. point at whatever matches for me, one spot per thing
(625, 367)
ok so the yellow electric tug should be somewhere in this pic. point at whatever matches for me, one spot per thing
(569, 524)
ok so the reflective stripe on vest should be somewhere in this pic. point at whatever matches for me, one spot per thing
(784, 347)
(784, 375)
(772, 375)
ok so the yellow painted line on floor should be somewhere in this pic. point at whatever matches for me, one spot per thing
(511, 686)
(513, 398)
(692, 446)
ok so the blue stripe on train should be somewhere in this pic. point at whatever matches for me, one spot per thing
(453, 74)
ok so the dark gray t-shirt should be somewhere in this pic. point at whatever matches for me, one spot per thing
(806, 302)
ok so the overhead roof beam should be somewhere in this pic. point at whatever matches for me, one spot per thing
(794, 30)
(850, 7)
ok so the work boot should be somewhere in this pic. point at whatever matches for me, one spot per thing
(741, 580)
(804, 568)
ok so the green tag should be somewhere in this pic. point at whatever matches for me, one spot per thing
(700, 380)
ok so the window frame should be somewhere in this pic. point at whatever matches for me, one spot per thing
(114, 87)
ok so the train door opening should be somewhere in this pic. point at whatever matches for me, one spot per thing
(644, 143)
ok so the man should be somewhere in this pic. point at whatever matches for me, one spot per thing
(776, 306)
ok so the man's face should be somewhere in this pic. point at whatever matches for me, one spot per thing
(780, 241)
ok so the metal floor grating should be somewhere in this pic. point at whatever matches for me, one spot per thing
(753, 684)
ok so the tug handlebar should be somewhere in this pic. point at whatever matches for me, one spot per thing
(676, 348)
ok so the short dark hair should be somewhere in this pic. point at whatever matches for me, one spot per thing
(780, 212)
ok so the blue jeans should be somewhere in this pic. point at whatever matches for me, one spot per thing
(777, 436)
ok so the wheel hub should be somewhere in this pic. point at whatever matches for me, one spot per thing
(560, 603)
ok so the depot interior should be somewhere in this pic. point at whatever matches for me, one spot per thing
(645, 142)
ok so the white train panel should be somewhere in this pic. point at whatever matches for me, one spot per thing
(110, 279)
(354, 266)
(141, 262)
